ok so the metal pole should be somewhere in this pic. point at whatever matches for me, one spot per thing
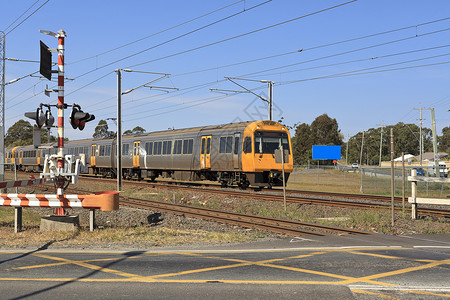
(392, 176)
(60, 180)
(362, 146)
(403, 182)
(60, 183)
(421, 138)
(284, 183)
(381, 145)
(2, 104)
(119, 130)
(271, 100)
(433, 130)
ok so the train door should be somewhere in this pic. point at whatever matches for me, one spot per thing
(39, 157)
(20, 156)
(236, 151)
(93, 153)
(136, 147)
(205, 152)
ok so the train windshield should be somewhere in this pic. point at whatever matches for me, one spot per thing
(268, 141)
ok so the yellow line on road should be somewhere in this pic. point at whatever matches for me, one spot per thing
(428, 293)
(89, 266)
(374, 294)
(397, 272)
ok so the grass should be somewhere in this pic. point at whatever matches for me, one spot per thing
(149, 236)
(333, 180)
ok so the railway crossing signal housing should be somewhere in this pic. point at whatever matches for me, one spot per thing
(38, 116)
(78, 118)
(46, 62)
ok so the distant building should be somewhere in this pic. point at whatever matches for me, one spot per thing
(429, 156)
(408, 158)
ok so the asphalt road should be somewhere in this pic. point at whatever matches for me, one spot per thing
(338, 267)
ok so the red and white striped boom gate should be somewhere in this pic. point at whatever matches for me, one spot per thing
(105, 201)
(21, 183)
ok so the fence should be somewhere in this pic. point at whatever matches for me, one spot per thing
(367, 180)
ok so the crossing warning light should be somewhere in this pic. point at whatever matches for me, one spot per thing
(38, 116)
(46, 62)
(78, 118)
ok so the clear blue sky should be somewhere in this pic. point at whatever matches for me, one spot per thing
(387, 74)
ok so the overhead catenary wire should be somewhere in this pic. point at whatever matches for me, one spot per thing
(243, 34)
(173, 39)
(27, 17)
(157, 33)
(12, 23)
(315, 47)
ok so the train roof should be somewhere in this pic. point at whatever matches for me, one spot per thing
(225, 127)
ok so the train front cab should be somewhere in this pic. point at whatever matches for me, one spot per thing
(260, 140)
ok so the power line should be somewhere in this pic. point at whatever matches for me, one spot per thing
(346, 52)
(361, 73)
(27, 17)
(21, 15)
(243, 34)
(159, 32)
(315, 47)
(173, 39)
(221, 41)
(358, 60)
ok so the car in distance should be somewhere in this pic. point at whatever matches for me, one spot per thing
(419, 171)
(354, 166)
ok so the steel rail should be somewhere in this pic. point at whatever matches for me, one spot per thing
(282, 226)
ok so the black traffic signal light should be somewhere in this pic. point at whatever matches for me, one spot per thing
(78, 118)
(46, 62)
(49, 119)
(38, 116)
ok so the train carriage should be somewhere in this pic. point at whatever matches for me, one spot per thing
(237, 153)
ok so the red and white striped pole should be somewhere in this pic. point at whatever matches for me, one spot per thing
(60, 180)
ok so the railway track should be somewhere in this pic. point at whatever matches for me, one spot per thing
(299, 197)
(281, 226)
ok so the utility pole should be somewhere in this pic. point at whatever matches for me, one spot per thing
(381, 143)
(270, 83)
(435, 152)
(392, 176)
(2, 105)
(346, 150)
(119, 130)
(362, 145)
(270, 92)
(420, 135)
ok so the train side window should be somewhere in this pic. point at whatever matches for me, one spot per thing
(222, 144)
(188, 146)
(101, 151)
(177, 147)
(229, 144)
(203, 146)
(236, 145)
(167, 147)
(226, 144)
(157, 148)
(125, 149)
(108, 150)
(208, 145)
(248, 145)
(149, 148)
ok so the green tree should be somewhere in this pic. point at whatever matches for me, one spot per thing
(406, 139)
(101, 131)
(444, 140)
(322, 131)
(136, 130)
(302, 144)
(19, 134)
